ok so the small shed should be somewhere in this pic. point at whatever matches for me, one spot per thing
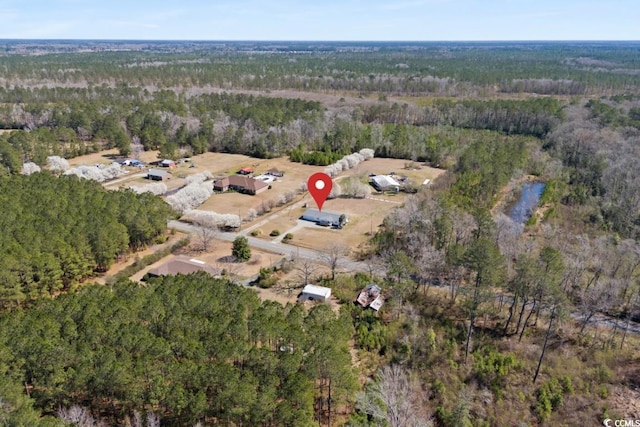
(275, 172)
(167, 163)
(315, 293)
(158, 175)
(246, 171)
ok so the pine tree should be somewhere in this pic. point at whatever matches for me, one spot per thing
(241, 249)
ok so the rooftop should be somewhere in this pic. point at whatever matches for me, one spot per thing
(158, 172)
(317, 290)
(183, 265)
(371, 296)
(384, 181)
(312, 214)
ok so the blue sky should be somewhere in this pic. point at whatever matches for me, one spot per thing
(322, 20)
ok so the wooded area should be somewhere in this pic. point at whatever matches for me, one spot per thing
(59, 231)
(188, 349)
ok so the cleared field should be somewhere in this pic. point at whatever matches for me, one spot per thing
(365, 215)
(108, 156)
(381, 166)
(221, 164)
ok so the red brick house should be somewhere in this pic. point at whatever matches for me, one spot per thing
(241, 184)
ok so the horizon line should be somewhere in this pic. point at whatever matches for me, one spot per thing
(14, 39)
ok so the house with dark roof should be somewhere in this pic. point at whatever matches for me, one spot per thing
(183, 265)
(241, 184)
(158, 175)
(275, 172)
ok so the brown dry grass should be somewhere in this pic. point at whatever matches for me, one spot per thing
(216, 257)
(226, 164)
(365, 216)
(382, 166)
(281, 223)
(107, 156)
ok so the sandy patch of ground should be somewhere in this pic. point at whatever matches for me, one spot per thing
(284, 297)
(6, 131)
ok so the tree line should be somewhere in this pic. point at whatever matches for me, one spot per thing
(452, 69)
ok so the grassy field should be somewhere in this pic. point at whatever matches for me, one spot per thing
(365, 215)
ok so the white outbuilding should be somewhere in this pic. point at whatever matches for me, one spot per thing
(315, 293)
(385, 183)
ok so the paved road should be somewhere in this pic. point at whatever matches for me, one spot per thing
(283, 249)
(356, 266)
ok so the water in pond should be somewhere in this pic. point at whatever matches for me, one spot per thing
(529, 198)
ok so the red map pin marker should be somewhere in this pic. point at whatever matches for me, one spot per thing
(319, 185)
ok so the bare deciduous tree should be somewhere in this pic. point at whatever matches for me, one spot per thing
(394, 398)
(205, 235)
(333, 254)
(305, 267)
(79, 416)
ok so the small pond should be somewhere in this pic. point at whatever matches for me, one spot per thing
(529, 198)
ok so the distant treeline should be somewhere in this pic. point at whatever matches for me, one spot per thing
(444, 69)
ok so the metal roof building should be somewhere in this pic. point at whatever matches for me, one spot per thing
(315, 293)
(158, 175)
(323, 217)
(385, 182)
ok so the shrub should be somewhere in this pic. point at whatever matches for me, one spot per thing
(265, 278)
(491, 369)
(550, 397)
(255, 232)
(287, 237)
(274, 233)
